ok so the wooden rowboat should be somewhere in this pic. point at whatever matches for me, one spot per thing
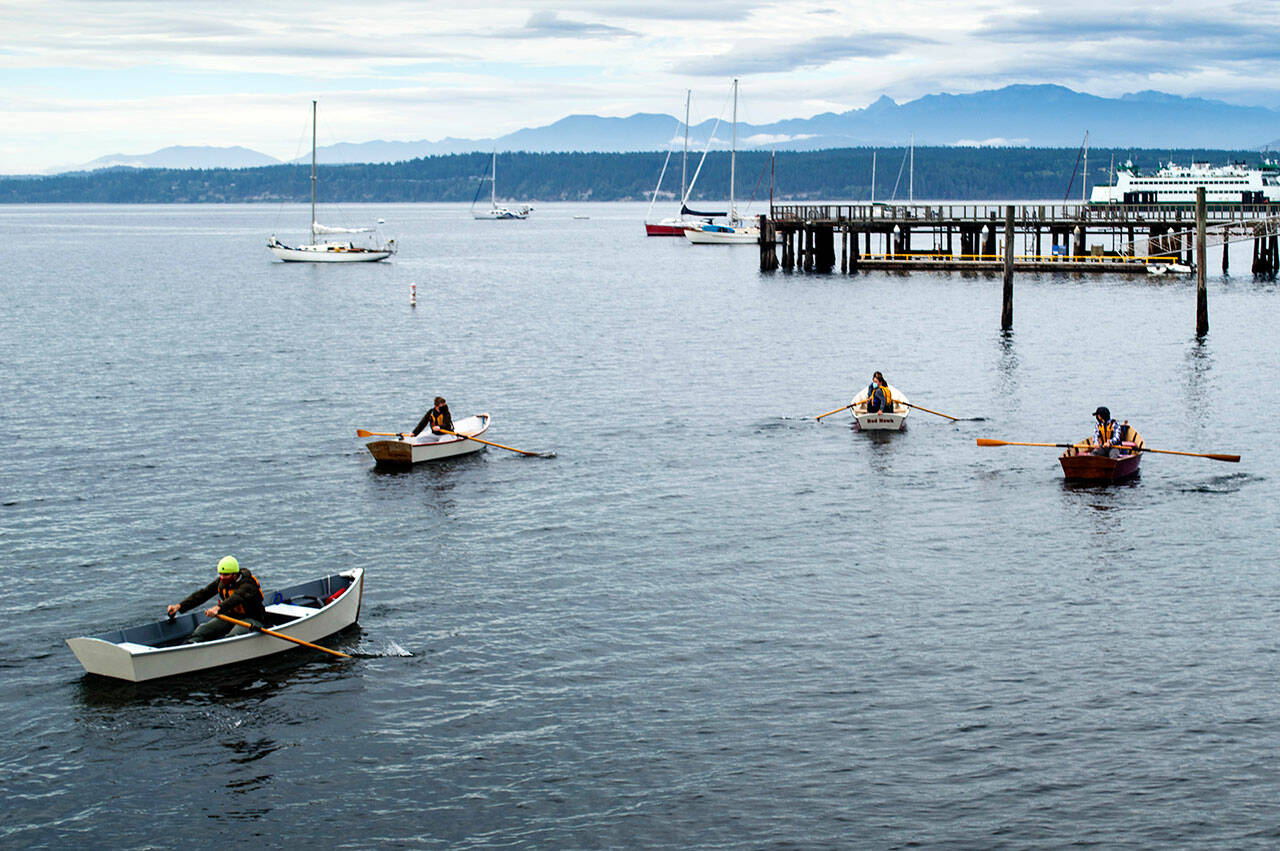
(1079, 465)
(309, 611)
(895, 420)
(410, 450)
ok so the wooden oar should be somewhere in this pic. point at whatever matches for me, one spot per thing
(984, 441)
(275, 634)
(1213, 455)
(836, 411)
(361, 432)
(926, 410)
(499, 445)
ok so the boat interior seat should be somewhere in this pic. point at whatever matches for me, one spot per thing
(288, 611)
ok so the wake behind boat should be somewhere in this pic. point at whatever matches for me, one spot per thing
(344, 251)
(409, 450)
(308, 611)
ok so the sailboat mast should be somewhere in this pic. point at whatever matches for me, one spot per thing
(1084, 180)
(733, 153)
(313, 172)
(911, 176)
(873, 177)
(493, 182)
(684, 158)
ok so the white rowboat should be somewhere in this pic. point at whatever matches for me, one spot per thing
(895, 420)
(309, 611)
(397, 452)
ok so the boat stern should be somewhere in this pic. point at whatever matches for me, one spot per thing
(107, 659)
(393, 453)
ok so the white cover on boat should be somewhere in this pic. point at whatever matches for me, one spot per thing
(319, 228)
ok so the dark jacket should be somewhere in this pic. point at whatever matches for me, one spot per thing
(240, 599)
(435, 419)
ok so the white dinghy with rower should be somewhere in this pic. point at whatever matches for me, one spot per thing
(407, 450)
(305, 612)
(895, 420)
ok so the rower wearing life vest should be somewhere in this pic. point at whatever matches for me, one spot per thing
(437, 418)
(878, 396)
(1107, 434)
(239, 596)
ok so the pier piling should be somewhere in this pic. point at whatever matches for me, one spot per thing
(1202, 260)
(1006, 309)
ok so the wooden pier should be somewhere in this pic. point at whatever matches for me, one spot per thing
(1048, 237)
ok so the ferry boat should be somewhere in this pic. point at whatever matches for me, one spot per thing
(1237, 183)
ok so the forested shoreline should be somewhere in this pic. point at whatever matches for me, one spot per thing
(843, 174)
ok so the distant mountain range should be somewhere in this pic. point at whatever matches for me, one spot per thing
(1019, 115)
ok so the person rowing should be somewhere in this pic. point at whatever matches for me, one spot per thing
(438, 420)
(1108, 435)
(239, 596)
(879, 397)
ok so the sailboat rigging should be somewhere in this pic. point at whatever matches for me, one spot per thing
(328, 252)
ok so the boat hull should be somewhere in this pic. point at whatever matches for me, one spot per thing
(892, 421)
(406, 453)
(123, 655)
(664, 229)
(1080, 466)
(728, 236)
(503, 214)
(328, 253)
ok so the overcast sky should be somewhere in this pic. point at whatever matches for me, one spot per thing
(82, 79)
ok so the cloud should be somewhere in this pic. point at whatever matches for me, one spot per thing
(551, 25)
(994, 142)
(719, 11)
(765, 58)
(764, 139)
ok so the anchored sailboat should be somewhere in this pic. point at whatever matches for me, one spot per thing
(496, 212)
(327, 252)
(736, 232)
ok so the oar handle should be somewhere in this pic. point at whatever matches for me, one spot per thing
(275, 634)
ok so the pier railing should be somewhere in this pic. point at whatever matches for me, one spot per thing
(1046, 213)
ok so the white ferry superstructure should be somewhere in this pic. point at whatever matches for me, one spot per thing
(1173, 184)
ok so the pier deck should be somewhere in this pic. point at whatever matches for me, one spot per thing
(1056, 237)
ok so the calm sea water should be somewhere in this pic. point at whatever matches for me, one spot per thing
(709, 621)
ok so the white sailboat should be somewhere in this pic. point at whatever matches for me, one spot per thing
(735, 232)
(332, 251)
(496, 212)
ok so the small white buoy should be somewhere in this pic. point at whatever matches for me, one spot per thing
(413, 295)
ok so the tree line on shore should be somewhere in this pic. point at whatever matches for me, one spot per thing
(839, 174)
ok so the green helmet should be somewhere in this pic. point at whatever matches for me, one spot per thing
(228, 565)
